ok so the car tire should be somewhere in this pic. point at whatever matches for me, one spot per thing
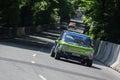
(57, 55)
(82, 62)
(89, 63)
(52, 53)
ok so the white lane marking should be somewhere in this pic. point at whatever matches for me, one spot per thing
(42, 77)
(33, 62)
(34, 55)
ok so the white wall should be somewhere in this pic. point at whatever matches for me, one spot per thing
(108, 53)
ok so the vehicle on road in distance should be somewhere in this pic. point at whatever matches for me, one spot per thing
(75, 46)
(72, 25)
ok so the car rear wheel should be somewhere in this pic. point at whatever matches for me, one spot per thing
(57, 52)
(82, 62)
(57, 55)
(89, 63)
(52, 53)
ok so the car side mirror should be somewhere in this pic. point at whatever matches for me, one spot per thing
(57, 40)
(92, 45)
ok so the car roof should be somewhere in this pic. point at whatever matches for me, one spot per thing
(77, 34)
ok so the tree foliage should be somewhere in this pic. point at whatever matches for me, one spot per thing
(9, 13)
(102, 18)
(35, 12)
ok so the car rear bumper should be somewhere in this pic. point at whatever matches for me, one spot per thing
(72, 56)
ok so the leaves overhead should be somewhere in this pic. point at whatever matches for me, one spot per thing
(102, 19)
(101, 16)
(35, 12)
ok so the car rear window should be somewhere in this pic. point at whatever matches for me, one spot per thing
(77, 40)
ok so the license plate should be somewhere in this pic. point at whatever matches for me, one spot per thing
(76, 55)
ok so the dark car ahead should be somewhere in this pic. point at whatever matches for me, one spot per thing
(73, 45)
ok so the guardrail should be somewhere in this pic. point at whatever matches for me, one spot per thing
(108, 53)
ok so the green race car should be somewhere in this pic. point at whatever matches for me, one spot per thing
(75, 46)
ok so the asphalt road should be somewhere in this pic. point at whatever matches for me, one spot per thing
(19, 61)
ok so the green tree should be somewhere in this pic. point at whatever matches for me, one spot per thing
(25, 13)
(9, 13)
(67, 9)
(102, 19)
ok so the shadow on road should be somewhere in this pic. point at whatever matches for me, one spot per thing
(42, 47)
(51, 34)
(52, 68)
(78, 63)
(39, 42)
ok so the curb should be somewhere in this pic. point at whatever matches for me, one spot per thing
(109, 66)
